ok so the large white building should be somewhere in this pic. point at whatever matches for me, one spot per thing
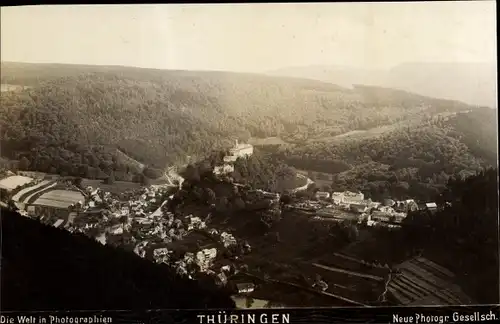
(226, 168)
(241, 150)
(347, 197)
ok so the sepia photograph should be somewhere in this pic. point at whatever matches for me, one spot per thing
(248, 156)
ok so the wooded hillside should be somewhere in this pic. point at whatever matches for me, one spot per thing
(92, 121)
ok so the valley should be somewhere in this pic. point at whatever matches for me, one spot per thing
(151, 150)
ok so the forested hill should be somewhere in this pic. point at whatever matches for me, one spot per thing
(411, 161)
(45, 268)
(81, 119)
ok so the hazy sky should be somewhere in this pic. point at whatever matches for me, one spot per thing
(251, 37)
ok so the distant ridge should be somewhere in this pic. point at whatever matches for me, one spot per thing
(473, 83)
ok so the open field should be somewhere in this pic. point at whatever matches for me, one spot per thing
(357, 135)
(59, 198)
(130, 161)
(319, 178)
(12, 182)
(266, 141)
(290, 258)
(11, 87)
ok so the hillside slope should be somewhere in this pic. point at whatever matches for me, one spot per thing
(462, 237)
(45, 268)
(414, 160)
(74, 118)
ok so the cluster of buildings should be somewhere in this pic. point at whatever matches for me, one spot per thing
(227, 239)
(193, 262)
(337, 205)
(239, 150)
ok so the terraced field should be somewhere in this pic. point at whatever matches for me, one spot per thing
(424, 282)
(26, 194)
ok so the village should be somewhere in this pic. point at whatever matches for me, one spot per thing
(340, 206)
(139, 220)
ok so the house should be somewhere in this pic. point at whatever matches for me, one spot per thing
(411, 204)
(270, 195)
(353, 197)
(228, 239)
(386, 209)
(380, 216)
(406, 205)
(58, 222)
(230, 158)
(224, 169)
(156, 252)
(322, 195)
(321, 285)
(245, 288)
(431, 206)
(204, 258)
(196, 223)
(338, 197)
(221, 279)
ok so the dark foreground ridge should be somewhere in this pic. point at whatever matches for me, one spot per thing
(45, 268)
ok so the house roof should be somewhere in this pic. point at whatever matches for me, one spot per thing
(58, 222)
(361, 205)
(245, 285)
(241, 147)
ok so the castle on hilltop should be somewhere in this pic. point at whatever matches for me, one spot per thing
(239, 150)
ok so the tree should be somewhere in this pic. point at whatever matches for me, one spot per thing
(285, 199)
(110, 179)
(152, 173)
(24, 164)
(239, 204)
(222, 204)
(210, 196)
(143, 180)
(192, 173)
(249, 302)
(326, 188)
(78, 182)
(124, 219)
